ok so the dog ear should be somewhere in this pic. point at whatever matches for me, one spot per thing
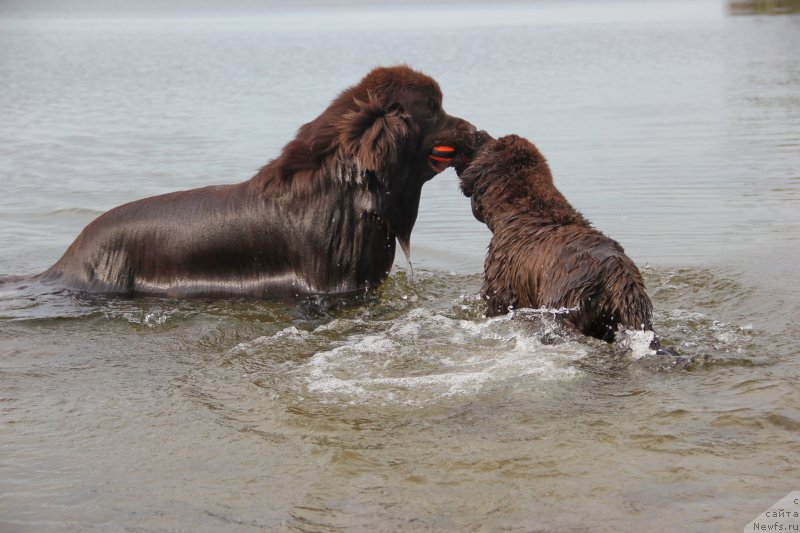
(375, 136)
(470, 176)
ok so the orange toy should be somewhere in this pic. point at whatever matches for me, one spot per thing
(444, 154)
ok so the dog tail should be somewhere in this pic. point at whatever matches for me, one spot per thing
(625, 297)
(632, 304)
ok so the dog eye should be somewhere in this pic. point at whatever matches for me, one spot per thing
(433, 108)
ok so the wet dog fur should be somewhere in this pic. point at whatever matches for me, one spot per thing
(321, 218)
(544, 253)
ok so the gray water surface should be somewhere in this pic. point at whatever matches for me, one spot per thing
(674, 127)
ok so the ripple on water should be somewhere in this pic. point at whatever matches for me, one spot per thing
(418, 358)
(425, 342)
(413, 343)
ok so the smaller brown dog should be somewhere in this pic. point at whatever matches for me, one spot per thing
(544, 253)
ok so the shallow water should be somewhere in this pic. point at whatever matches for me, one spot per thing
(674, 127)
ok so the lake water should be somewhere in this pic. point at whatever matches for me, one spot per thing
(673, 126)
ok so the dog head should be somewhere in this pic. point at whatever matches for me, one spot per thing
(375, 140)
(503, 177)
(393, 122)
(396, 121)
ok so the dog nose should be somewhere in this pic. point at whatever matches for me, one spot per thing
(463, 127)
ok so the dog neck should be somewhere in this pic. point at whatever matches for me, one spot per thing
(540, 203)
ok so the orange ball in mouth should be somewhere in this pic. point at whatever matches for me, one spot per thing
(442, 157)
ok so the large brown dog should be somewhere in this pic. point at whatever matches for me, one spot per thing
(543, 252)
(321, 218)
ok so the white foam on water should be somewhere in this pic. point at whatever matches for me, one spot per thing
(425, 356)
(291, 334)
(637, 342)
(150, 319)
(702, 332)
(687, 316)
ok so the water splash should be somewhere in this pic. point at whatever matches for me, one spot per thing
(418, 358)
(149, 319)
(636, 343)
